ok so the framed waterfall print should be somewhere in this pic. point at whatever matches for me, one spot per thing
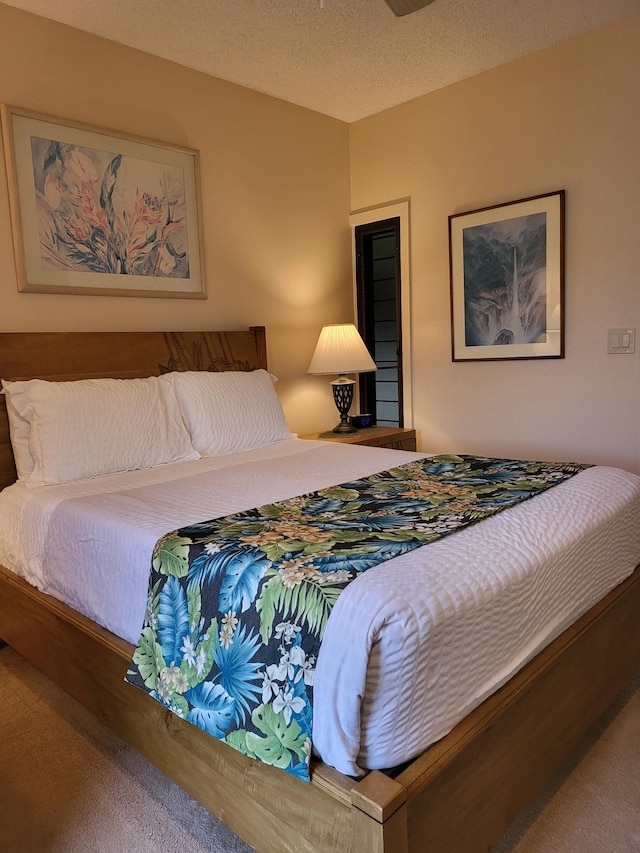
(99, 212)
(507, 280)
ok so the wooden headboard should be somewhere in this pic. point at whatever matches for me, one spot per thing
(58, 356)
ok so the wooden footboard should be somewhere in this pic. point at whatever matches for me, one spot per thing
(459, 795)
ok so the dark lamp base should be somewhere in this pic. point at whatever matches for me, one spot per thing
(343, 398)
(343, 428)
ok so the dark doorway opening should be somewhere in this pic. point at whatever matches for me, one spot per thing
(380, 318)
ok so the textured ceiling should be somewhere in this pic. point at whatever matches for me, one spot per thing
(344, 58)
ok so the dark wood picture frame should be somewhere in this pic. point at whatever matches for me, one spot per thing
(507, 280)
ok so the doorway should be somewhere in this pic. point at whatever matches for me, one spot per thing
(379, 314)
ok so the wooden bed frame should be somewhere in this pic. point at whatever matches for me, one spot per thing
(459, 796)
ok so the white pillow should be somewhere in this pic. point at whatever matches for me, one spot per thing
(89, 427)
(229, 411)
(19, 429)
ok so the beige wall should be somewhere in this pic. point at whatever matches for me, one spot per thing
(565, 118)
(275, 198)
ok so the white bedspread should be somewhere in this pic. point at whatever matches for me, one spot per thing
(413, 644)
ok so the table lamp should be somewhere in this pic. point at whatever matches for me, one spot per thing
(341, 350)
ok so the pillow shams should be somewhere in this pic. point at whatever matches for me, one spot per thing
(229, 411)
(90, 427)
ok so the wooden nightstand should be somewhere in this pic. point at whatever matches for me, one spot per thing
(392, 437)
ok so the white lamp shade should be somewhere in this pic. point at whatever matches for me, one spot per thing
(340, 349)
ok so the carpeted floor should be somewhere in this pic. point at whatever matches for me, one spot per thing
(69, 785)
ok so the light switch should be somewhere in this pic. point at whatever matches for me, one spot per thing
(621, 341)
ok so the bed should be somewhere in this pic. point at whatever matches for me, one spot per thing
(459, 794)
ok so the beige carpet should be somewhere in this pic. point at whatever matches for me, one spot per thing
(67, 784)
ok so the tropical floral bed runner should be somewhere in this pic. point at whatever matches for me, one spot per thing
(237, 606)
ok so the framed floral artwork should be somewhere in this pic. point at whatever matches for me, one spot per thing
(98, 212)
(507, 280)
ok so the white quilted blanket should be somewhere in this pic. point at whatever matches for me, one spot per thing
(412, 645)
